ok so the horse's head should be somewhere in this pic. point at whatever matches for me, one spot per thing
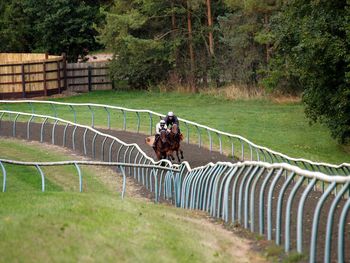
(163, 136)
(174, 128)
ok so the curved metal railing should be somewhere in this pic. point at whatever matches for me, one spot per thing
(255, 152)
(110, 147)
(121, 166)
(270, 199)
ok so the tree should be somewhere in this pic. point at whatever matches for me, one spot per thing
(49, 26)
(312, 47)
(177, 33)
(191, 79)
(210, 25)
(14, 27)
(62, 26)
(136, 32)
(246, 39)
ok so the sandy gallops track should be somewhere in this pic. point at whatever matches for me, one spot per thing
(192, 153)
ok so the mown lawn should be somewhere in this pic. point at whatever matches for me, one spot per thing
(63, 225)
(281, 127)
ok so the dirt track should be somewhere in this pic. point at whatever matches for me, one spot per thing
(192, 153)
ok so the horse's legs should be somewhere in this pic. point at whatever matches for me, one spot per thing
(164, 155)
(182, 153)
(170, 154)
(178, 157)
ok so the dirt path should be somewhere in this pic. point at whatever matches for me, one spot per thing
(192, 153)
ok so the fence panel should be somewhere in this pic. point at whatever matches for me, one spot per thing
(30, 75)
(88, 76)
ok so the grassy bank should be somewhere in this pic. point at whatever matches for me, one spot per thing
(281, 127)
(62, 225)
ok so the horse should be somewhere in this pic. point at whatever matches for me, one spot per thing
(162, 147)
(175, 137)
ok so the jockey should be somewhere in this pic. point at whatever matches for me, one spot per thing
(160, 126)
(170, 119)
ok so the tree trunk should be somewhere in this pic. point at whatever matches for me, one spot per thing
(267, 46)
(190, 48)
(173, 18)
(210, 25)
(174, 76)
(211, 45)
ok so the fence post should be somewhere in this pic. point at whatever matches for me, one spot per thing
(64, 70)
(89, 78)
(59, 76)
(23, 81)
(44, 78)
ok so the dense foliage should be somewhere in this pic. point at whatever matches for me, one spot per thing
(53, 26)
(312, 54)
(194, 42)
(158, 40)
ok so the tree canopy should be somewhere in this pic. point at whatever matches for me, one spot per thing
(312, 55)
(53, 26)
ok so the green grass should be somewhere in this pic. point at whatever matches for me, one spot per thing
(24, 178)
(71, 227)
(60, 226)
(94, 226)
(281, 127)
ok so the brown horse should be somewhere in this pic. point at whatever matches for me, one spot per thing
(162, 147)
(175, 137)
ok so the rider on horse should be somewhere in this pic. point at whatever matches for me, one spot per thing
(175, 135)
(171, 119)
(160, 126)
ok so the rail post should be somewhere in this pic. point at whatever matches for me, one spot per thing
(80, 177)
(108, 118)
(59, 76)
(42, 130)
(92, 116)
(150, 124)
(14, 126)
(89, 78)
(65, 83)
(42, 177)
(23, 81)
(44, 78)
(124, 181)
(3, 177)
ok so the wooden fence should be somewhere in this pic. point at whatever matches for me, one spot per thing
(30, 75)
(88, 76)
(33, 75)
